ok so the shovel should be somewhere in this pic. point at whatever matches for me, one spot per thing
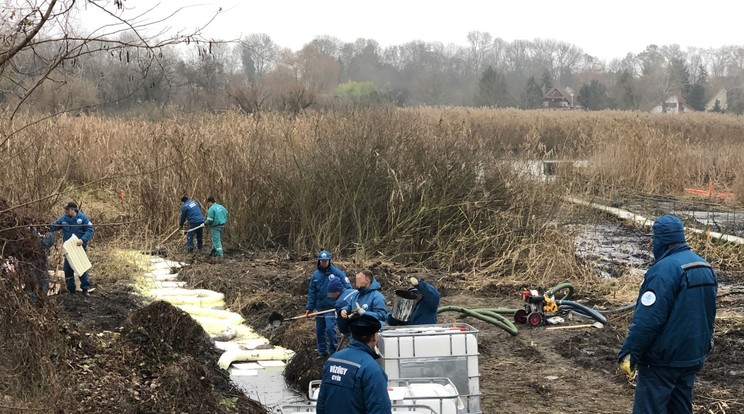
(276, 319)
(598, 325)
(160, 248)
(197, 227)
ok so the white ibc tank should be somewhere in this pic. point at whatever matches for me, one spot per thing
(426, 351)
(287, 409)
(425, 395)
(439, 394)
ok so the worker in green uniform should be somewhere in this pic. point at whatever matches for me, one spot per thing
(216, 220)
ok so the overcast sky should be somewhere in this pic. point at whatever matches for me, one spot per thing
(601, 28)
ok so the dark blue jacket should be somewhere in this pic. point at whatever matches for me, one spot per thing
(317, 292)
(673, 321)
(79, 225)
(345, 298)
(191, 212)
(371, 300)
(354, 383)
(425, 312)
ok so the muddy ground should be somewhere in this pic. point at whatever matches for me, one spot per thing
(537, 371)
(124, 356)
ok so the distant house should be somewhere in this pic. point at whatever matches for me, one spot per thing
(719, 98)
(674, 104)
(554, 99)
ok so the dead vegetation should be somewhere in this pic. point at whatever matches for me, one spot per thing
(444, 192)
(438, 186)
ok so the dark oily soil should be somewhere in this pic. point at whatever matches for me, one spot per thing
(154, 358)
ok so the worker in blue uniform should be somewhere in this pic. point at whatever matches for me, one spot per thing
(427, 304)
(318, 301)
(672, 329)
(191, 212)
(74, 222)
(352, 381)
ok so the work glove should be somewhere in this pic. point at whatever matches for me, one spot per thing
(359, 310)
(413, 281)
(307, 313)
(625, 367)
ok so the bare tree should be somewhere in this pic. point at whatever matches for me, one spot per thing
(517, 56)
(259, 54)
(481, 44)
(318, 71)
(717, 60)
(568, 59)
(328, 45)
(42, 33)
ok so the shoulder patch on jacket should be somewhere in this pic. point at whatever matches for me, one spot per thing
(648, 298)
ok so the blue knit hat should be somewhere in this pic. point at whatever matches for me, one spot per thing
(335, 285)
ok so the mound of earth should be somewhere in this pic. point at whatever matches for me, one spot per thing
(100, 354)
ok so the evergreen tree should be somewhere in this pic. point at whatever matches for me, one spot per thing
(702, 77)
(696, 97)
(679, 76)
(546, 81)
(533, 95)
(594, 96)
(735, 100)
(696, 94)
(492, 90)
(627, 96)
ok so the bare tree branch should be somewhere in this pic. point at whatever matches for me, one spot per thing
(7, 55)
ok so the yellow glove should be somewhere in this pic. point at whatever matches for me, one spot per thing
(413, 281)
(625, 367)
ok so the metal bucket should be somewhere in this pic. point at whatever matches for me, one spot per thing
(403, 304)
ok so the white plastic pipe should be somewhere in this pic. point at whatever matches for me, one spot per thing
(646, 222)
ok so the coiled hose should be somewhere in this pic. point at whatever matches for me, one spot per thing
(582, 309)
(484, 315)
(495, 316)
(559, 287)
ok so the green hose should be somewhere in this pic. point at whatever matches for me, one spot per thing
(495, 316)
(501, 311)
(486, 316)
(557, 288)
(503, 322)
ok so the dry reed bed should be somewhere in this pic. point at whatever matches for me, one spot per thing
(426, 185)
